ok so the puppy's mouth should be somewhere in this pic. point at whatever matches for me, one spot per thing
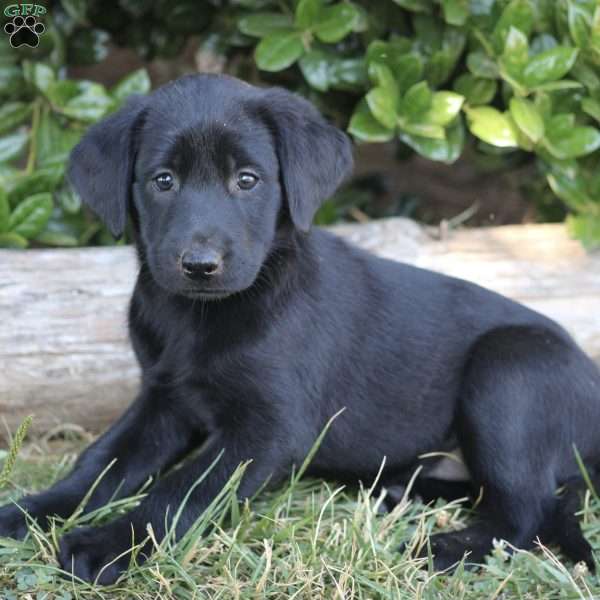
(205, 294)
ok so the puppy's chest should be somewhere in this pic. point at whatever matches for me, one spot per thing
(211, 377)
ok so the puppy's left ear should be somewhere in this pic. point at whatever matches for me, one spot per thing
(314, 156)
(101, 165)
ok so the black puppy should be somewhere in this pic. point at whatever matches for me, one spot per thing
(252, 332)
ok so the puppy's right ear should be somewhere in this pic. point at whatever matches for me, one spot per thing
(101, 165)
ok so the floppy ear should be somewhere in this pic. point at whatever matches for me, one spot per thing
(314, 156)
(101, 166)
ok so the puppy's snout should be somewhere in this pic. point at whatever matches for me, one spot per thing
(201, 264)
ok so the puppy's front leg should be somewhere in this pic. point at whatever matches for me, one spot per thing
(149, 436)
(87, 550)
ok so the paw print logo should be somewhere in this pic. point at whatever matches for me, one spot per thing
(24, 31)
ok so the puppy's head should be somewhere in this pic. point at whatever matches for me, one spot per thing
(210, 167)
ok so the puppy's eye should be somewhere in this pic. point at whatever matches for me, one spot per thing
(164, 181)
(246, 180)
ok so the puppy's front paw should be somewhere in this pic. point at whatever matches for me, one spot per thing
(13, 523)
(96, 553)
(447, 549)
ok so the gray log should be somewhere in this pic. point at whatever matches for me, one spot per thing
(64, 353)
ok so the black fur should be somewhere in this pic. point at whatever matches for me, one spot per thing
(296, 325)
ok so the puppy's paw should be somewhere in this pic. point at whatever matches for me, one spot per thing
(13, 523)
(96, 553)
(447, 550)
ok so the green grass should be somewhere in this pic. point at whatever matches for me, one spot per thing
(306, 540)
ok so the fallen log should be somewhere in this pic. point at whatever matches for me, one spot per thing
(64, 353)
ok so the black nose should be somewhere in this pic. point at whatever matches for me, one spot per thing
(201, 264)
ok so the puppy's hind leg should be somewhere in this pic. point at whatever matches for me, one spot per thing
(511, 432)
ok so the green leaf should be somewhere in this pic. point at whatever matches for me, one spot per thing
(408, 70)
(315, 66)
(476, 90)
(549, 66)
(443, 150)
(585, 228)
(437, 68)
(336, 22)
(386, 52)
(422, 129)
(324, 70)
(579, 23)
(570, 190)
(349, 74)
(277, 51)
(515, 56)
(454, 40)
(442, 62)
(91, 104)
(12, 146)
(68, 199)
(12, 240)
(308, 13)
(41, 180)
(67, 228)
(444, 108)
(30, 217)
(591, 107)
(561, 124)
(528, 119)
(482, 65)
(379, 51)
(516, 44)
(585, 74)
(518, 14)
(39, 75)
(13, 114)
(60, 92)
(456, 12)
(262, 24)
(415, 5)
(543, 103)
(55, 238)
(563, 142)
(382, 104)
(4, 210)
(54, 140)
(417, 100)
(554, 86)
(381, 75)
(364, 126)
(492, 126)
(137, 82)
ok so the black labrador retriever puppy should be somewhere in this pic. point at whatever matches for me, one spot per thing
(252, 332)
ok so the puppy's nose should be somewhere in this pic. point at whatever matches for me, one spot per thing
(201, 264)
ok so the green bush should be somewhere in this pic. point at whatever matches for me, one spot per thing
(518, 77)
(36, 203)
